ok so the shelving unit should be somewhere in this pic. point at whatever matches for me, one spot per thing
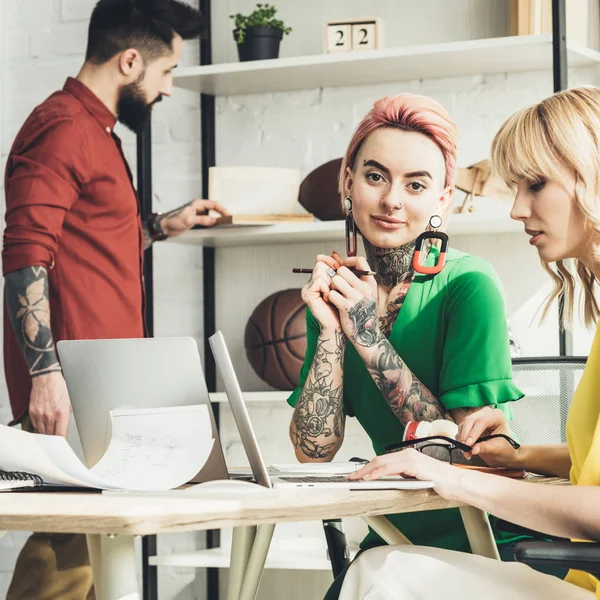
(454, 59)
(316, 231)
(304, 554)
(221, 397)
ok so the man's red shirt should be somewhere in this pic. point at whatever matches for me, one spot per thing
(71, 207)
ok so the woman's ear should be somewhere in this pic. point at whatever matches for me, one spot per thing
(348, 181)
(446, 200)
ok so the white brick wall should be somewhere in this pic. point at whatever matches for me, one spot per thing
(43, 41)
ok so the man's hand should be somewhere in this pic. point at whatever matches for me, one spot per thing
(193, 213)
(49, 404)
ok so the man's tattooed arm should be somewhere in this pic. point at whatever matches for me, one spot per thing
(160, 222)
(317, 427)
(28, 308)
(408, 398)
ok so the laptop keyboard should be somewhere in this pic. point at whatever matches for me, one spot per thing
(311, 479)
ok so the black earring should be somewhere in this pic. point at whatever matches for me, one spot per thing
(351, 238)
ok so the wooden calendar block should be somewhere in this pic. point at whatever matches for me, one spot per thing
(364, 36)
(338, 37)
(353, 34)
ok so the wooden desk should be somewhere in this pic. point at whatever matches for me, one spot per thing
(112, 521)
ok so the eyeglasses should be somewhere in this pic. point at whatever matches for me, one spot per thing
(446, 443)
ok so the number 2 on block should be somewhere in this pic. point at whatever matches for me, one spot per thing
(339, 38)
(363, 36)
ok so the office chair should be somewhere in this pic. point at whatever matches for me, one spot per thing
(540, 418)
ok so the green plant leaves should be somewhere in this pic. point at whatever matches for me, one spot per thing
(262, 16)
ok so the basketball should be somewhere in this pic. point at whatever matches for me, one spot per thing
(319, 193)
(275, 339)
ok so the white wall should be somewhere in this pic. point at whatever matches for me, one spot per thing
(42, 42)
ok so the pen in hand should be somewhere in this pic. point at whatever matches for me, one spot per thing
(357, 272)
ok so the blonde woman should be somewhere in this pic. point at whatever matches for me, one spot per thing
(550, 153)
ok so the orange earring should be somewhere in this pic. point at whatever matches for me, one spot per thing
(434, 223)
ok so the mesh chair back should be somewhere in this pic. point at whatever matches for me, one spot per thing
(548, 384)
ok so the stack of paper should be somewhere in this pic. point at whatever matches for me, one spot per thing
(150, 449)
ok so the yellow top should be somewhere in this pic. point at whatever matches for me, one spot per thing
(583, 438)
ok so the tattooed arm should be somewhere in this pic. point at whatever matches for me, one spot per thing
(317, 427)
(176, 221)
(355, 299)
(406, 395)
(408, 398)
(26, 292)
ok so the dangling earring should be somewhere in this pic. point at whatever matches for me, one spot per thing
(434, 223)
(351, 241)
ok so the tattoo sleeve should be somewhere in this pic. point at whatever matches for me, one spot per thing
(408, 398)
(26, 293)
(317, 427)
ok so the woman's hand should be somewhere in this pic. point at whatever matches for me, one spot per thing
(411, 463)
(316, 291)
(488, 421)
(356, 301)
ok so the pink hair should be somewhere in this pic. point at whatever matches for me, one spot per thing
(409, 112)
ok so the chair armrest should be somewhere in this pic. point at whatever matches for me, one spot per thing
(509, 527)
(584, 556)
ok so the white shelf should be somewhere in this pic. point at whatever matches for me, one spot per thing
(292, 555)
(451, 59)
(221, 397)
(317, 231)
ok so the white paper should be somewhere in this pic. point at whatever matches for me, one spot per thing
(47, 456)
(150, 449)
(156, 449)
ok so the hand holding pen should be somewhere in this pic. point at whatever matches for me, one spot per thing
(339, 261)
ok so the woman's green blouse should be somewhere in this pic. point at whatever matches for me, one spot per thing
(451, 332)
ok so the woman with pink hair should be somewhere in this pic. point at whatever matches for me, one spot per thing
(424, 338)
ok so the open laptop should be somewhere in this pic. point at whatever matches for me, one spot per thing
(257, 463)
(103, 375)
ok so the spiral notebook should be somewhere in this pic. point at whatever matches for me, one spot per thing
(15, 480)
(19, 481)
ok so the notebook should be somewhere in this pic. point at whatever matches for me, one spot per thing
(15, 480)
(18, 481)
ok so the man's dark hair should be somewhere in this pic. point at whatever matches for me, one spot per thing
(146, 25)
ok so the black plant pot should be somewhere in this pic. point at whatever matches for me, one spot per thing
(260, 43)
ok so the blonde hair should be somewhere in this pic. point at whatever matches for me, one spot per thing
(563, 129)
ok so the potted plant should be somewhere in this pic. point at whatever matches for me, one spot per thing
(258, 34)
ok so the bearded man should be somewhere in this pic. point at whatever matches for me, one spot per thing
(74, 242)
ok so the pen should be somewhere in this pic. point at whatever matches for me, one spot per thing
(355, 271)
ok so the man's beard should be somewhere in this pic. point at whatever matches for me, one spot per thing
(132, 108)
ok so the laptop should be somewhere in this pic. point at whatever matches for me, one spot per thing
(103, 375)
(250, 442)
